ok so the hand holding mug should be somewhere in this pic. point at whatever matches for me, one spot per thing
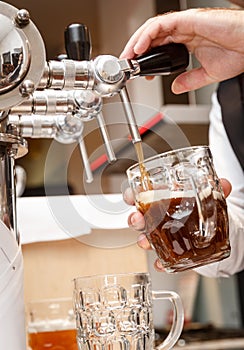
(186, 220)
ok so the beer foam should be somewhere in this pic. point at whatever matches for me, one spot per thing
(156, 195)
(51, 325)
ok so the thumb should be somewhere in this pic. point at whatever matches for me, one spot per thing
(191, 80)
(226, 186)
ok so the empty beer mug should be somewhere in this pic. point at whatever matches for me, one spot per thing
(184, 208)
(114, 312)
(51, 325)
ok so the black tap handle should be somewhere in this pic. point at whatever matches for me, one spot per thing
(77, 42)
(165, 59)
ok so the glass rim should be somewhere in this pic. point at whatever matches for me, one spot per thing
(108, 275)
(165, 154)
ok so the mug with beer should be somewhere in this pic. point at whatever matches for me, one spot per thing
(51, 325)
(114, 312)
(185, 212)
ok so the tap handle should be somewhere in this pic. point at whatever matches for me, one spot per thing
(78, 42)
(165, 59)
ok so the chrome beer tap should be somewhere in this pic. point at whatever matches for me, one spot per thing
(107, 75)
(53, 99)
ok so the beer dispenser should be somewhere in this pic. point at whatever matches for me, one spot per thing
(40, 99)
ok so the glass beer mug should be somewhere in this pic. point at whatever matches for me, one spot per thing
(114, 312)
(185, 212)
(51, 325)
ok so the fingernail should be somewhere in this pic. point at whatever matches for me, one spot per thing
(176, 88)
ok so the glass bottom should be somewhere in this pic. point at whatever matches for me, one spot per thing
(136, 341)
(186, 264)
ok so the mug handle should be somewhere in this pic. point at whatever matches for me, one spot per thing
(178, 318)
(199, 184)
(199, 181)
(207, 229)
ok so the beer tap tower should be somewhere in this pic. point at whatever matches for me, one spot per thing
(40, 99)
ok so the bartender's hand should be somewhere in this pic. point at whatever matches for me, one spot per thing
(215, 36)
(136, 220)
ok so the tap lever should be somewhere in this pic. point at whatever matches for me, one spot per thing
(161, 60)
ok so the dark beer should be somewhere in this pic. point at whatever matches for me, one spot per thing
(176, 232)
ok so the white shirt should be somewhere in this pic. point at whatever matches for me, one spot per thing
(227, 166)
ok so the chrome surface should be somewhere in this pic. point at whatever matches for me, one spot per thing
(108, 69)
(130, 66)
(14, 55)
(102, 75)
(131, 120)
(22, 17)
(19, 49)
(16, 146)
(11, 147)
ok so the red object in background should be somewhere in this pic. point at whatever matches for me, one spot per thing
(97, 163)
